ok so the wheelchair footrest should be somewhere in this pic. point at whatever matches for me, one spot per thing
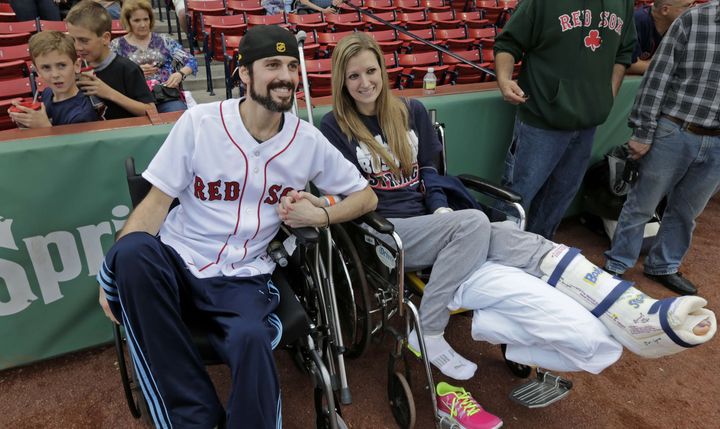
(545, 389)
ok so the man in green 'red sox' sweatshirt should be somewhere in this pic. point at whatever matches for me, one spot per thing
(574, 54)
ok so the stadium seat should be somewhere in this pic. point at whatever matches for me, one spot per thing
(409, 6)
(414, 20)
(307, 22)
(16, 87)
(460, 72)
(44, 25)
(344, 22)
(278, 19)
(393, 70)
(387, 39)
(436, 5)
(455, 39)
(410, 44)
(473, 19)
(373, 24)
(380, 5)
(247, 7)
(18, 27)
(328, 41)
(416, 67)
(14, 39)
(444, 19)
(193, 10)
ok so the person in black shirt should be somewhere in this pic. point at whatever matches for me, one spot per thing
(117, 81)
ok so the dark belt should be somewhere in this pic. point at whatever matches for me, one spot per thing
(695, 129)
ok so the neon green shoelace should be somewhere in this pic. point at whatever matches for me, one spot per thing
(465, 401)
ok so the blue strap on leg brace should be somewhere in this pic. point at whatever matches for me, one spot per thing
(564, 262)
(662, 306)
(611, 298)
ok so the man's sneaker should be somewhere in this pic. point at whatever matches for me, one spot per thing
(458, 406)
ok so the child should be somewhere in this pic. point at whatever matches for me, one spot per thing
(55, 60)
(117, 81)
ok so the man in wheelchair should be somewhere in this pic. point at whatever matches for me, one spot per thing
(229, 164)
(391, 141)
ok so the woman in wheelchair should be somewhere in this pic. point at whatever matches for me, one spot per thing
(393, 143)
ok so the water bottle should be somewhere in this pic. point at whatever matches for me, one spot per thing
(429, 82)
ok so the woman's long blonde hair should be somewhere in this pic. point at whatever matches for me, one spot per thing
(392, 112)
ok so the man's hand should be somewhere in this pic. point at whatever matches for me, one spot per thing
(149, 69)
(511, 91)
(174, 80)
(106, 307)
(637, 149)
(297, 211)
(30, 118)
(93, 85)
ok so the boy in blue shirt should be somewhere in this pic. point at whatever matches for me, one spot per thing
(54, 57)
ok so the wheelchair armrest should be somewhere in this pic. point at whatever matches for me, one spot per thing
(480, 185)
(377, 222)
(305, 235)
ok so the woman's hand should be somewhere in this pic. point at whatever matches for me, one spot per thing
(174, 80)
(149, 69)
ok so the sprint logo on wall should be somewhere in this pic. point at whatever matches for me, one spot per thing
(55, 258)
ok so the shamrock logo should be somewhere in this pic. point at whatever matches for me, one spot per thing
(593, 40)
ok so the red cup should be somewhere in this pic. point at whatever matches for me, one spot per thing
(25, 103)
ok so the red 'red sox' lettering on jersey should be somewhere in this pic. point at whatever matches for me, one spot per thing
(223, 190)
(584, 18)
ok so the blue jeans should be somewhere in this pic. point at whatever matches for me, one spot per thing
(171, 106)
(686, 168)
(546, 168)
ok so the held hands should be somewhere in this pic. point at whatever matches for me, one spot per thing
(93, 85)
(637, 149)
(299, 209)
(30, 118)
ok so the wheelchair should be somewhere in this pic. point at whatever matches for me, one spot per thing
(380, 301)
(307, 310)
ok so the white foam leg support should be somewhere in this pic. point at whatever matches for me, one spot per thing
(648, 327)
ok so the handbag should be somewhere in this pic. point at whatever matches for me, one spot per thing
(163, 93)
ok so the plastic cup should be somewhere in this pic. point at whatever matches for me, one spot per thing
(37, 105)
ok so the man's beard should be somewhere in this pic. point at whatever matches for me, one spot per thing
(266, 100)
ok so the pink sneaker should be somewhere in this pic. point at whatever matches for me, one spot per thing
(458, 406)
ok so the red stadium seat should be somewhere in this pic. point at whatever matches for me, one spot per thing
(344, 22)
(473, 19)
(387, 39)
(307, 22)
(410, 44)
(373, 24)
(14, 88)
(380, 5)
(436, 5)
(328, 41)
(44, 25)
(482, 33)
(416, 66)
(344, 7)
(319, 77)
(463, 73)
(455, 39)
(277, 19)
(14, 39)
(194, 9)
(18, 27)
(247, 7)
(444, 19)
(408, 6)
(393, 70)
(414, 20)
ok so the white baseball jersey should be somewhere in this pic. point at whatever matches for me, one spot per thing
(229, 185)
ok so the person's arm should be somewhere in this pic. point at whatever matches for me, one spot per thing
(638, 67)
(511, 91)
(176, 52)
(653, 88)
(93, 85)
(149, 215)
(617, 77)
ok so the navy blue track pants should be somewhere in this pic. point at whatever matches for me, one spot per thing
(150, 291)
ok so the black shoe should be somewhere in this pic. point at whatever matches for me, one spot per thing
(614, 273)
(675, 282)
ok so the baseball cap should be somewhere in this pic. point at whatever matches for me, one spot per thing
(264, 41)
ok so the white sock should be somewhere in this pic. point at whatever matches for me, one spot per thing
(447, 360)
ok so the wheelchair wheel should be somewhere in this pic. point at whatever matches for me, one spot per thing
(520, 370)
(401, 401)
(352, 295)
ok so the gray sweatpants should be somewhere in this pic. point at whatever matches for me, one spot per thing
(456, 244)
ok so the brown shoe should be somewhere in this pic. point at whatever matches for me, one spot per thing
(675, 282)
